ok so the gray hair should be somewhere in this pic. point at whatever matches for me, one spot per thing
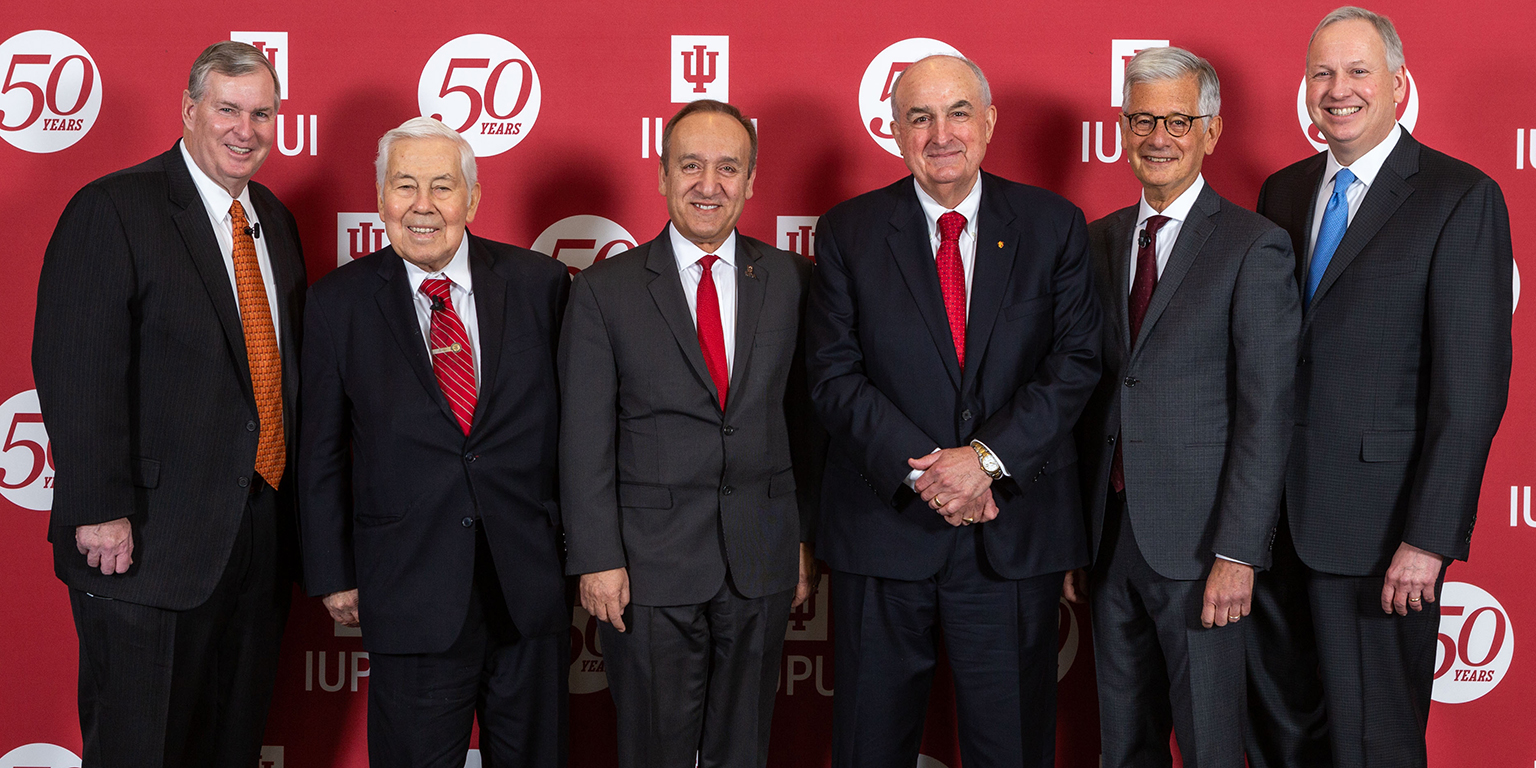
(1160, 64)
(981, 78)
(1384, 29)
(426, 128)
(230, 59)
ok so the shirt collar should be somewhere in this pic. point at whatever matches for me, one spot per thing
(1178, 210)
(457, 270)
(215, 198)
(1369, 164)
(932, 210)
(688, 254)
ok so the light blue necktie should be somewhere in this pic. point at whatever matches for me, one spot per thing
(1335, 221)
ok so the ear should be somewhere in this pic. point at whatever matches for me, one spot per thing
(1399, 85)
(1212, 134)
(188, 109)
(990, 120)
(751, 177)
(380, 189)
(474, 203)
(661, 178)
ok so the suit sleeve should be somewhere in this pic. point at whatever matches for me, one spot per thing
(325, 460)
(1030, 427)
(877, 434)
(1467, 329)
(81, 355)
(589, 388)
(1266, 328)
(807, 438)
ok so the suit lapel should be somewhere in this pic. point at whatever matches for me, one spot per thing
(666, 289)
(491, 317)
(1302, 198)
(394, 299)
(749, 305)
(912, 251)
(997, 245)
(1387, 193)
(1120, 232)
(203, 248)
(1197, 227)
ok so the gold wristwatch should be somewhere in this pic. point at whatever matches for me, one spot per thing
(989, 462)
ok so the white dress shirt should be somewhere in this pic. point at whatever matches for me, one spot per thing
(968, 208)
(216, 201)
(1177, 212)
(1365, 169)
(724, 274)
(461, 292)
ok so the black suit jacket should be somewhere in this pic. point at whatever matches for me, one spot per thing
(655, 478)
(141, 369)
(390, 486)
(1404, 361)
(887, 384)
(1201, 403)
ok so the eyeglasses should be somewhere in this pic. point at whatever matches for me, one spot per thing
(1143, 124)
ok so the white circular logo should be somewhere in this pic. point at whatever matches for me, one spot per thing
(26, 456)
(583, 240)
(880, 77)
(51, 94)
(1408, 112)
(1068, 638)
(483, 87)
(39, 755)
(1476, 644)
(587, 674)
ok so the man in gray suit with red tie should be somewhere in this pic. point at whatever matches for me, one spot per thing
(1183, 445)
(689, 458)
(1405, 263)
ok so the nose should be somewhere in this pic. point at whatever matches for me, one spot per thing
(1160, 137)
(709, 181)
(422, 201)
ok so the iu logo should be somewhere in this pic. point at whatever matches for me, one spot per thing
(483, 87)
(52, 91)
(583, 240)
(275, 46)
(1120, 54)
(39, 755)
(26, 457)
(587, 675)
(701, 68)
(357, 235)
(1407, 112)
(1476, 644)
(880, 78)
(809, 621)
(797, 234)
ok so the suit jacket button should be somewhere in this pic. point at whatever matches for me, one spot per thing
(468, 522)
(727, 490)
(1131, 381)
(728, 430)
(965, 415)
(250, 426)
(471, 456)
(1111, 439)
(243, 482)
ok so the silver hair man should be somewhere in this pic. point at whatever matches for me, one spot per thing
(425, 128)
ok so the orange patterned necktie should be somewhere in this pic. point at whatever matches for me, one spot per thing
(260, 351)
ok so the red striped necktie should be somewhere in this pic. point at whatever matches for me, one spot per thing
(452, 358)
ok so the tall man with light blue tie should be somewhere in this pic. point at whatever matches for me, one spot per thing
(1404, 259)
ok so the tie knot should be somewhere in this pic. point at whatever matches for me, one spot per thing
(237, 214)
(1342, 180)
(436, 287)
(708, 261)
(950, 225)
(1155, 223)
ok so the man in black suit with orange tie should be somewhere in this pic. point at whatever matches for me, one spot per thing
(427, 470)
(1405, 263)
(166, 358)
(952, 340)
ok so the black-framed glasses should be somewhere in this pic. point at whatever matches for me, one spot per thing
(1143, 123)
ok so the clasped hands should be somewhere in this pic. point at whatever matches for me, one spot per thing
(954, 485)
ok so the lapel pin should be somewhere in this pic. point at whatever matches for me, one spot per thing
(999, 243)
(751, 273)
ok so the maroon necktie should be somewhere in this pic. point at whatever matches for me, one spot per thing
(1141, 298)
(711, 333)
(952, 278)
(453, 360)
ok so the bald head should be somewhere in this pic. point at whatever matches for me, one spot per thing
(944, 120)
(945, 66)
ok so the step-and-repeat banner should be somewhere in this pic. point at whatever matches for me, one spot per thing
(564, 104)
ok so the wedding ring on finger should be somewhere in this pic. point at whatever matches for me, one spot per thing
(1233, 618)
(1414, 599)
(969, 520)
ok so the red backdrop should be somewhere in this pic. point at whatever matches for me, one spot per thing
(564, 101)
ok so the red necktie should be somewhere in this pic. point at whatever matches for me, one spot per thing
(1141, 298)
(260, 350)
(453, 360)
(952, 278)
(711, 333)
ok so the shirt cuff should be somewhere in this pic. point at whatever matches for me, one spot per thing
(1220, 556)
(995, 456)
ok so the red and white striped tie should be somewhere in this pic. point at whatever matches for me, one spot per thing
(452, 358)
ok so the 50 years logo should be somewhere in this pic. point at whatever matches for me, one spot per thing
(51, 93)
(879, 80)
(1476, 644)
(26, 456)
(483, 87)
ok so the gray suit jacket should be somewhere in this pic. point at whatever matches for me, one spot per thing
(653, 476)
(1201, 403)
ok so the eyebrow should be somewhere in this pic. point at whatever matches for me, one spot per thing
(926, 111)
(728, 159)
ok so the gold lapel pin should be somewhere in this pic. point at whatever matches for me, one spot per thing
(751, 273)
(999, 243)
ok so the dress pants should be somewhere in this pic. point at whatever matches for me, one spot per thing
(186, 688)
(1001, 638)
(699, 679)
(1333, 679)
(1158, 667)
(422, 706)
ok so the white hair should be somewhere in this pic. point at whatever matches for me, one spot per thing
(1160, 64)
(426, 128)
(1383, 25)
